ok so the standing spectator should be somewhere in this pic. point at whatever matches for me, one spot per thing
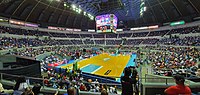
(180, 88)
(20, 86)
(127, 82)
(135, 78)
(198, 71)
(71, 91)
(104, 92)
(36, 88)
(28, 91)
(4, 91)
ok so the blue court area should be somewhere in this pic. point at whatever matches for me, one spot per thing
(69, 62)
(113, 54)
(90, 68)
(131, 62)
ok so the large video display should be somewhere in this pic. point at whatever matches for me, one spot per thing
(106, 23)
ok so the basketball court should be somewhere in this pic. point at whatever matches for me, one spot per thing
(105, 64)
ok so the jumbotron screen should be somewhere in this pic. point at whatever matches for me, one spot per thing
(106, 23)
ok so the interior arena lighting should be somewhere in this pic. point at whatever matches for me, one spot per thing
(142, 7)
(84, 13)
(145, 8)
(65, 4)
(76, 10)
(91, 17)
(73, 6)
(79, 10)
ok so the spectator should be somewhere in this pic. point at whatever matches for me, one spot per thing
(104, 92)
(198, 73)
(71, 91)
(135, 78)
(83, 87)
(180, 88)
(2, 90)
(36, 89)
(127, 82)
(28, 91)
(20, 86)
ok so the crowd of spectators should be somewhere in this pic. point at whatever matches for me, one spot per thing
(111, 35)
(10, 42)
(127, 35)
(88, 41)
(18, 31)
(142, 34)
(187, 30)
(169, 61)
(33, 52)
(133, 41)
(158, 33)
(113, 42)
(186, 41)
(152, 41)
(69, 79)
(99, 36)
(86, 36)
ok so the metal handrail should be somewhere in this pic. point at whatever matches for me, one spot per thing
(141, 78)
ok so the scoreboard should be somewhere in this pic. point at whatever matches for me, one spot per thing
(106, 23)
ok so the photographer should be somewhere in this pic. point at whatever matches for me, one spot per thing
(135, 79)
(127, 82)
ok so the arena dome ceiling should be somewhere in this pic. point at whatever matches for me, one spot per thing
(58, 12)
